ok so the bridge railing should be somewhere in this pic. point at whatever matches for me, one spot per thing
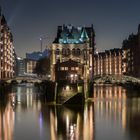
(116, 78)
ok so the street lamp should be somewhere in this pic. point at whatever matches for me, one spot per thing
(40, 44)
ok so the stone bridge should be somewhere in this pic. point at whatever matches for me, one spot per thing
(116, 79)
(24, 80)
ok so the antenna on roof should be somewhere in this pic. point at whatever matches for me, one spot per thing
(41, 42)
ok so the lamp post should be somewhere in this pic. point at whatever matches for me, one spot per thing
(40, 44)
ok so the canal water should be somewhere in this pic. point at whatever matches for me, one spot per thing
(112, 114)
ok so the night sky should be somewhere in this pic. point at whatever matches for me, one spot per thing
(113, 20)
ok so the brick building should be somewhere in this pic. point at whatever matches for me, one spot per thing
(6, 50)
(73, 46)
(108, 62)
(131, 55)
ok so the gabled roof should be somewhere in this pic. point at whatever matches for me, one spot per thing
(3, 20)
(84, 34)
(73, 35)
(68, 63)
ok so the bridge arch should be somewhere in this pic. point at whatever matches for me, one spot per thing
(115, 79)
(24, 79)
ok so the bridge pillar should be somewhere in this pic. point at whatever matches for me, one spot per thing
(90, 89)
(55, 92)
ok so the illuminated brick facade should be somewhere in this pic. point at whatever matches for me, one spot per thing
(73, 46)
(108, 62)
(131, 55)
(30, 66)
(6, 50)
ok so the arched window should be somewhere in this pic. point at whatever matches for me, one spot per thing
(78, 52)
(68, 51)
(73, 51)
(57, 51)
(63, 51)
(85, 53)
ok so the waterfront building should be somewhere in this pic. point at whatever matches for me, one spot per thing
(6, 50)
(72, 53)
(30, 66)
(33, 59)
(131, 55)
(20, 67)
(108, 63)
(25, 67)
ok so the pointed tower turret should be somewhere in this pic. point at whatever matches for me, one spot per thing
(3, 20)
(84, 35)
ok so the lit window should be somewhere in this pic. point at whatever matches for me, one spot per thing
(72, 68)
(77, 68)
(66, 68)
(57, 51)
(62, 68)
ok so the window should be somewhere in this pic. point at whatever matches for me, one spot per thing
(77, 68)
(73, 51)
(57, 52)
(64, 68)
(85, 54)
(66, 52)
(72, 68)
(78, 51)
(63, 51)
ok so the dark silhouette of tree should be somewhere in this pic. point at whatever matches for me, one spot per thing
(43, 66)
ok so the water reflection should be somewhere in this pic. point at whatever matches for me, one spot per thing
(26, 97)
(7, 117)
(114, 114)
(115, 110)
(107, 92)
(70, 123)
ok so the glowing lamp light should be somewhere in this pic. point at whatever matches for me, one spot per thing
(96, 52)
(71, 75)
(67, 87)
(18, 58)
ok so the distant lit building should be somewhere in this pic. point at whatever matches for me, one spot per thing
(72, 53)
(30, 66)
(32, 59)
(20, 67)
(6, 50)
(108, 62)
(37, 55)
(131, 55)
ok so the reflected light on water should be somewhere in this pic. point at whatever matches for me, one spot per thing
(53, 126)
(112, 98)
(76, 125)
(112, 111)
(114, 107)
(7, 120)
